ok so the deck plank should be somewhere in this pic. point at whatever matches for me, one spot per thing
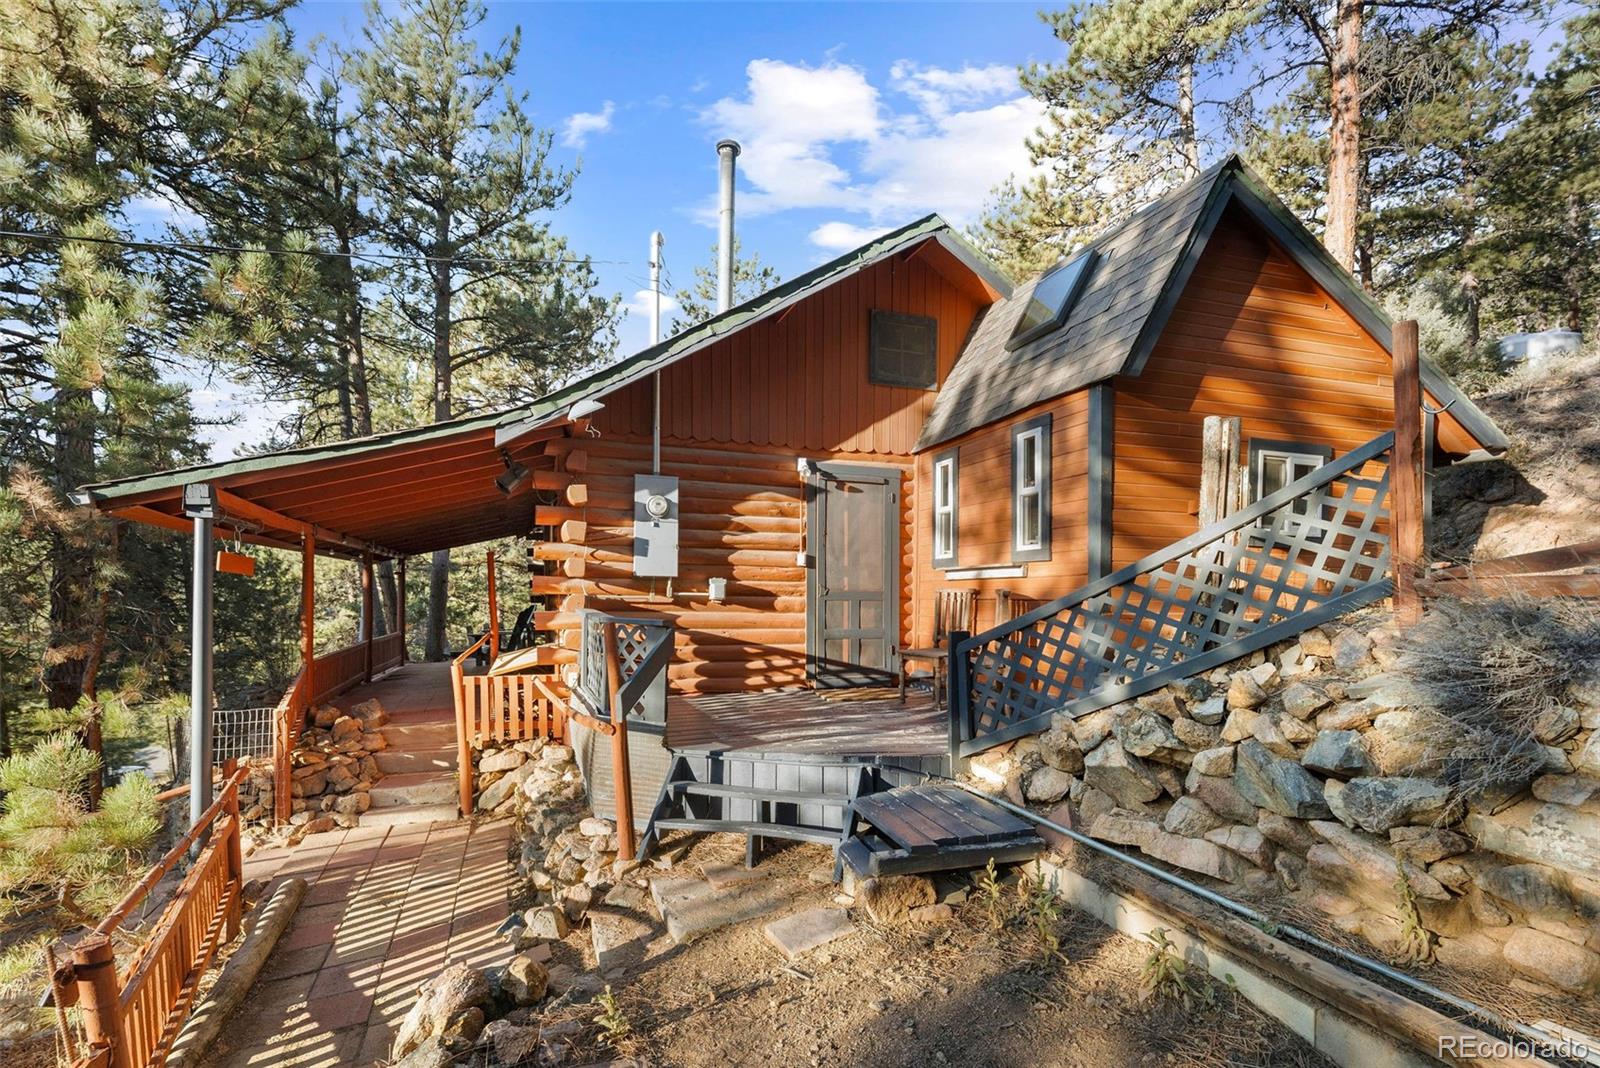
(807, 722)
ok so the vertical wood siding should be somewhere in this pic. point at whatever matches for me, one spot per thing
(1253, 336)
(984, 512)
(735, 417)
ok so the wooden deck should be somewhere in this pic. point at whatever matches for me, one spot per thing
(813, 723)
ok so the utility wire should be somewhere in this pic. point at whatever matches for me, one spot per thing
(183, 246)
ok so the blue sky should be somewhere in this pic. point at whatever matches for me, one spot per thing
(855, 118)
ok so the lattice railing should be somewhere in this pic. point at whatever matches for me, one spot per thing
(638, 639)
(1316, 548)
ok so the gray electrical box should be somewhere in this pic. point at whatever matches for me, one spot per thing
(655, 526)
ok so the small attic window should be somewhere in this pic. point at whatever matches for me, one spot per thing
(905, 350)
(1052, 300)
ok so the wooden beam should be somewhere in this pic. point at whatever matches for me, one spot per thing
(574, 531)
(1221, 491)
(1102, 476)
(1560, 558)
(400, 607)
(239, 508)
(1492, 586)
(308, 612)
(1405, 474)
(577, 495)
(366, 616)
(150, 517)
(494, 613)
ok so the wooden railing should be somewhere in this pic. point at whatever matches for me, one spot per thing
(289, 718)
(388, 650)
(131, 1019)
(1546, 573)
(1298, 557)
(498, 708)
(335, 672)
(621, 661)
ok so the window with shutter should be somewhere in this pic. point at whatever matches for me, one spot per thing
(905, 350)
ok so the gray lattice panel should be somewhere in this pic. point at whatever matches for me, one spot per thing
(1268, 568)
(633, 643)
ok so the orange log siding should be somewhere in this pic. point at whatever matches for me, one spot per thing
(735, 418)
(984, 512)
(1253, 336)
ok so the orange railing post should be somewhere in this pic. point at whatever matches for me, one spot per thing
(464, 729)
(94, 968)
(619, 746)
(235, 849)
(1405, 474)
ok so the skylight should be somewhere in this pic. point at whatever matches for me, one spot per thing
(1052, 300)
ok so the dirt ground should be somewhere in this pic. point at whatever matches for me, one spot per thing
(958, 993)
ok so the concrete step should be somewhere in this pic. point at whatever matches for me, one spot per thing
(693, 907)
(404, 761)
(404, 815)
(420, 735)
(415, 788)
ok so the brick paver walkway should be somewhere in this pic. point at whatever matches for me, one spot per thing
(387, 909)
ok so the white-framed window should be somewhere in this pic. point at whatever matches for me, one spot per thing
(1030, 490)
(945, 488)
(1275, 464)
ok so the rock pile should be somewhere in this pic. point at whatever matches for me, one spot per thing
(1299, 769)
(333, 766)
(502, 1009)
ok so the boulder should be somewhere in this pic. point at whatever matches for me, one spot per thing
(441, 999)
(1045, 784)
(1315, 642)
(1341, 754)
(502, 788)
(431, 1053)
(1244, 691)
(1565, 837)
(1346, 716)
(346, 727)
(1351, 649)
(512, 1043)
(1532, 889)
(1163, 703)
(1221, 796)
(546, 921)
(1124, 828)
(1384, 691)
(1293, 835)
(323, 716)
(1190, 818)
(1215, 761)
(1211, 711)
(1377, 803)
(1398, 741)
(1247, 842)
(1586, 761)
(1059, 748)
(1427, 845)
(1557, 725)
(1147, 735)
(1269, 733)
(1095, 728)
(524, 980)
(1273, 783)
(1194, 854)
(1120, 774)
(1302, 701)
(1196, 737)
(1553, 961)
(501, 760)
(1361, 858)
(890, 899)
(1565, 789)
(1241, 724)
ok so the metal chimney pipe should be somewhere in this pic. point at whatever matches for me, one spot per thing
(727, 152)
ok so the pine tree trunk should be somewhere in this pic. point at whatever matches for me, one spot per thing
(1187, 139)
(1344, 135)
(1572, 277)
(439, 576)
(71, 558)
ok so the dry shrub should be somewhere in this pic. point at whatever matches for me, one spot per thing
(1489, 673)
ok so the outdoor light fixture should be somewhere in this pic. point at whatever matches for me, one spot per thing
(583, 409)
(512, 478)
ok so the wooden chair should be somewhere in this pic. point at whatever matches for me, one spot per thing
(954, 610)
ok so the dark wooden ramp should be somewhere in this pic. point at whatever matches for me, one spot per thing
(933, 827)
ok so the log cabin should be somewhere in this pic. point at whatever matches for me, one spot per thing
(1177, 445)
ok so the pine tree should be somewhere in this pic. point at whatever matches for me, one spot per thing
(1125, 108)
(457, 175)
(698, 302)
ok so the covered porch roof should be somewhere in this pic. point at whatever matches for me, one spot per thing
(390, 495)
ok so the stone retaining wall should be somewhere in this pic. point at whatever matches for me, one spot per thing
(1297, 770)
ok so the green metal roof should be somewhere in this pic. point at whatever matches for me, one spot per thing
(510, 423)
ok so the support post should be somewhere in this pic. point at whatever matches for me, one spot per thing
(94, 964)
(235, 849)
(1220, 492)
(1102, 467)
(494, 615)
(308, 613)
(458, 687)
(1405, 474)
(200, 505)
(959, 699)
(620, 770)
(366, 616)
(400, 610)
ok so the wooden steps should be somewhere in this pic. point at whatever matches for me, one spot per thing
(933, 827)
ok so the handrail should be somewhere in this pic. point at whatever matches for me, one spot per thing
(463, 743)
(1214, 605)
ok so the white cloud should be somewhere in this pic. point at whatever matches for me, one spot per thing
(160, 208)
(633, 333)
(842, 236)
(583, 124)
(826, 137)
